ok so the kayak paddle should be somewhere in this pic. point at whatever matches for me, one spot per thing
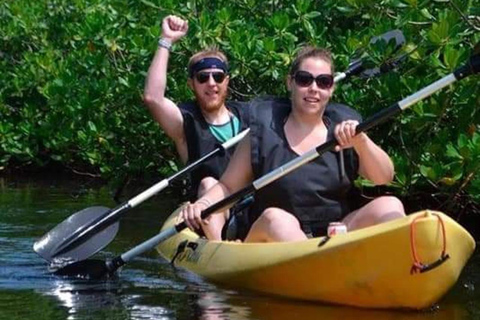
(99, 268)
(91, 229)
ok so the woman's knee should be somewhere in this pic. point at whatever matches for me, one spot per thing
(205, 184)
(379, 210)
(275, 224)
(390, 204)
(385, 208)
(277, 216)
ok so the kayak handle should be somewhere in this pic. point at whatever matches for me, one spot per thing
(424, 267)
(427, 267)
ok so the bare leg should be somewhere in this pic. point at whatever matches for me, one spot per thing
(379, 210)
(212, 230)
(275, 225)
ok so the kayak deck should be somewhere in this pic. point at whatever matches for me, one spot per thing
(370, 267)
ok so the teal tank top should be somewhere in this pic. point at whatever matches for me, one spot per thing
(226, 131)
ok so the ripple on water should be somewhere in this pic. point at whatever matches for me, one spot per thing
(133, 292)
(21, 268)
(11, 229)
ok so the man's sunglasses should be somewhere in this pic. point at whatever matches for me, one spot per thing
(305, 79)
(203, 77)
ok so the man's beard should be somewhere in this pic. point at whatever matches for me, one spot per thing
(211, 105)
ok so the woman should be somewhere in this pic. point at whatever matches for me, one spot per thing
(302, 203)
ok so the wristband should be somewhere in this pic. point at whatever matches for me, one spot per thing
(164, 43)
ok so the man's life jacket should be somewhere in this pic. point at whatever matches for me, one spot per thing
(200, 141)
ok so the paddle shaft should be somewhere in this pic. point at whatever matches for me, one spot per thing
(472, 67)
(113, 215)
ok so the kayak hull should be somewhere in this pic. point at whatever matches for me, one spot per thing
(370, 267)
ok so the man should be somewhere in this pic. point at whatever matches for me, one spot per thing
(196, 127)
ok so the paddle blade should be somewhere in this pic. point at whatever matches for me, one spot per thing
(359, 65)
(398, 39)
(86, 269)
(476, 48)
(394, 35)
(475, 59)
(47, 246)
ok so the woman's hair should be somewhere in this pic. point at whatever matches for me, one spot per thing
(311, 52)
(209, 52)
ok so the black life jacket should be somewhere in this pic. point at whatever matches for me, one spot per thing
(317, 192)
(200, 141)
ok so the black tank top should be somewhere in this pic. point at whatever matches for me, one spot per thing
(316, 193)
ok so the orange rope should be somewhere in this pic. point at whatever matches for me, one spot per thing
(417, 265)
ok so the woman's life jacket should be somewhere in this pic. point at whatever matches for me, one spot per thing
(316, 193)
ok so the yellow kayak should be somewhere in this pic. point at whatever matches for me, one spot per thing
(406, 263)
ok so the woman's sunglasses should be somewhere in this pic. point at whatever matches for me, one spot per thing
(203, 77)
(305, 79)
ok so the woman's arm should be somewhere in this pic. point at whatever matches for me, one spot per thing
(375, 164)
(238, 174)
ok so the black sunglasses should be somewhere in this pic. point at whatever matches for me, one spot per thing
(203, 77)
(305, 79)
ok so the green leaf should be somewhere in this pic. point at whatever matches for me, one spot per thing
(427, 14)
(428, 172)
(313, 14)
(56, 157)
(451, 57)
(462, 141)
(123, 81)
(344, 9)
(92, 126)
(452, 152)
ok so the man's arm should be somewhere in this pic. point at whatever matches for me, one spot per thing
(163, 110)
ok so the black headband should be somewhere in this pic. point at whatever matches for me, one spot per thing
(207, 63)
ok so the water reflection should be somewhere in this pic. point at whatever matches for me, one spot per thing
(215, 306)
(119, 298)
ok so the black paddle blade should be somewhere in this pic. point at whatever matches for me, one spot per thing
(86, 269)
(476, 48)
(47, 246)
(475, 59)
(395, 36)
(358, 66)
(472, 66)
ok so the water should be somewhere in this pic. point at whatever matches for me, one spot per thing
(149, 287)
